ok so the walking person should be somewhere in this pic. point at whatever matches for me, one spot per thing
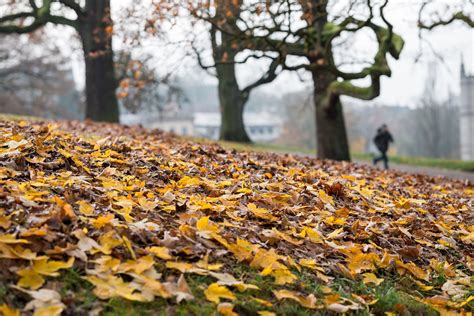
(382, 141)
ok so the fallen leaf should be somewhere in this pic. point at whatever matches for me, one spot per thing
(215, 292)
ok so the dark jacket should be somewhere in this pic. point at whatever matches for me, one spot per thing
(382, 140)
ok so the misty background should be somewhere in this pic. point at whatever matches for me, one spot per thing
(420, 102)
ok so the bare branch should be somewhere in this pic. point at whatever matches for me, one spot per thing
(73, 5)
(41, 16)
(458, 16)
(268, 77)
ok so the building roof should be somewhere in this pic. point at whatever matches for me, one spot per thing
(213, 119)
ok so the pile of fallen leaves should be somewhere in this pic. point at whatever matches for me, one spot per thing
(136, 213)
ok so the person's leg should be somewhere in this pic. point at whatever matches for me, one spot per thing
(385, 160)
(377, 159)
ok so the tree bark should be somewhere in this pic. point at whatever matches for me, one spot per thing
(96, 34)
(232, 103)
(331, 133)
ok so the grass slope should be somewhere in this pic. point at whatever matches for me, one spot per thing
(105, 219)
(403, 160)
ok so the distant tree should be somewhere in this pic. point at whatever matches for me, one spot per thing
(436, 123)
(316, 31)
(143, 90)
(138, 83)
(298, 128)
(312, 30)
(35, 79)
(228, 50)
(92, 21)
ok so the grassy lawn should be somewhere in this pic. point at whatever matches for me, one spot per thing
(391, 295)
(414, 161)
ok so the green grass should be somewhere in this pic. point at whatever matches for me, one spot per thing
(413, 161)
(425, 162)
(3, 293)
(391, 296)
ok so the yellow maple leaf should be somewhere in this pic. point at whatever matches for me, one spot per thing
(260, 212)
(215, 292)
(110, 240)
(160, 252)
(362, 262)
(86, 208)
(113, 286)
(10, 239)
(188, 181)
(35, 231)
(226, 309)
(181, 266)
(416, 271)
(265, 258)
(138, 266)
(370, 278)
(128, 245)
(50, 310)
(17, 252)
(206, 227)
(331, 220)
(9, 311)
(423, 286)
(204, 264)
(308, 263)
(242, 249)
(287, 237)
(154, 286)
(312, 235)
(244, 190)
(263, 302)
(103, 220)
(325, 198)
(308, 301)
(283, 276)
(30, 279)
(50, 268)
(5, 222)
(349, 177)
(106, 263)
(336, 233)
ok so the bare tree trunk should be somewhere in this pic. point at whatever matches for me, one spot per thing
(232, 102)
(96, 35)
(331, 133)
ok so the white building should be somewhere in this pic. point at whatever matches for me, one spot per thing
(467, 115)
(261, 127)
(170, 119)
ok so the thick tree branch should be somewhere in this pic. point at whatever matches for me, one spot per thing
(268, 77)
(459, 16)
(389, 43)
(40, 15)
(60, 20)
(73, 5)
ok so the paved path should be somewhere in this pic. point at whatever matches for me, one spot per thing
(448, 173)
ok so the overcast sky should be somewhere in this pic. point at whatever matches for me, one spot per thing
(407, 81)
